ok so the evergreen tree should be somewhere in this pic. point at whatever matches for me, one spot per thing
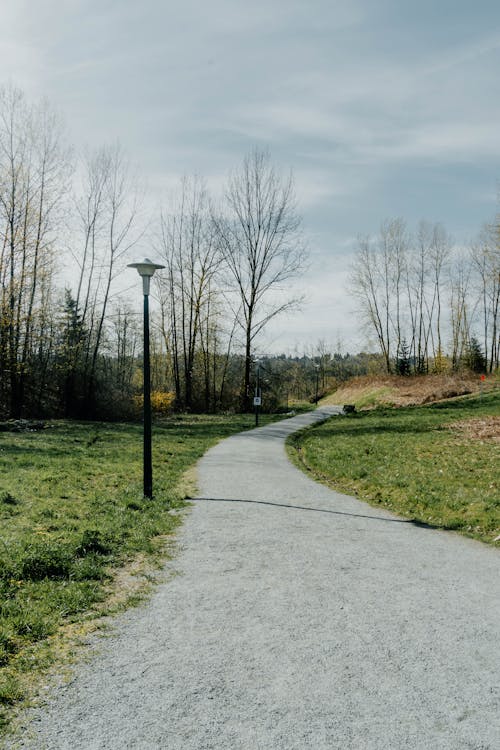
(474, 358)
(403, 359)
(73, 337)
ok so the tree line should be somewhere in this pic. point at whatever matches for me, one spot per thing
(70, 338)
(429, 305)
(74, 348)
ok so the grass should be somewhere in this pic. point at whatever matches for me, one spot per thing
(412, 461)
(72, 515)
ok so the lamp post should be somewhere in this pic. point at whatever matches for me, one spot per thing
(146, 270)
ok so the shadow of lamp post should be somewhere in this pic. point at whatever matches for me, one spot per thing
(146, 270)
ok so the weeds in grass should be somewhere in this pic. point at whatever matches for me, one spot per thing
(7, 499)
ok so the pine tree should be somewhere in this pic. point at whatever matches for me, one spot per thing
(403, 359)
(474, 358)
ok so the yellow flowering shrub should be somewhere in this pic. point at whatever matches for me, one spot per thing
(161, 401)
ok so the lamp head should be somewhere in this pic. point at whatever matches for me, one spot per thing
(145, 269)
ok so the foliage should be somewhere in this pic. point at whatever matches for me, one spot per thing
(75, 353)
(474, 358)
(161, 402)
(403, 363)
(440, 363)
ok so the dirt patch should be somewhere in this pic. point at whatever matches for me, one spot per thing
(392, 390)
(485, 428)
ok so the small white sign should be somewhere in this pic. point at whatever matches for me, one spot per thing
(257, 401)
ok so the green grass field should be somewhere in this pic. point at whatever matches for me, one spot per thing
(72, 514)
(414, 462)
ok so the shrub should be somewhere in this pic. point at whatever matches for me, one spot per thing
(161, 402)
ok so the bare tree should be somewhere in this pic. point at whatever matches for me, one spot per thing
(369, 285)
(33, 167)
(186, 288)
(460, 309)
(107, 208)
(262, 247)
(440, 252)
(485, 255)
(398, 281)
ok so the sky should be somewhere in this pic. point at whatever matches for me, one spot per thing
(381, 108)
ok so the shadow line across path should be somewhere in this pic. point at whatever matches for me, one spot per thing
(303, 507)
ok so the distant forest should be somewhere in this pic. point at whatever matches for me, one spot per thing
(430, 306)
(73, 348)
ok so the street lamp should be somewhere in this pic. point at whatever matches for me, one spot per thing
(146, 269)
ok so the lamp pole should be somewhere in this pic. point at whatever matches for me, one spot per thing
(146, 270)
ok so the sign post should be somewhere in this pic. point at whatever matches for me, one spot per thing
(257, 400)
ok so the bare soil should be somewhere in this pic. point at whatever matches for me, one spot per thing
(392, 390)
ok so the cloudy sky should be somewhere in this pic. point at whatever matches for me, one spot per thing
(382, 108)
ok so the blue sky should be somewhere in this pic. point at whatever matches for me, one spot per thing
(381, 108)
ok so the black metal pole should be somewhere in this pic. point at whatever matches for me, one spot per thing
(148, 467)
(257, 389)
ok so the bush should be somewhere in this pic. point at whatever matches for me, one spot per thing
(161, 402)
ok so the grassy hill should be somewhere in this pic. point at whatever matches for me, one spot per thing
(367, 392)
(436, 464)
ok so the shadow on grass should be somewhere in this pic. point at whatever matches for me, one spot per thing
(406, 521)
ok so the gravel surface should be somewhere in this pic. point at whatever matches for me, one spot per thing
(299, 618)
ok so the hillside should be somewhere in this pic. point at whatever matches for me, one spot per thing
(367, 392)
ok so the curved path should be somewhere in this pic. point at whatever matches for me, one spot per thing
(299, 618)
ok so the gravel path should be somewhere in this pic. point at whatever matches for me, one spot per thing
(299, 618)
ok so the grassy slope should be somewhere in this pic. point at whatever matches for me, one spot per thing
(71, 515)
(369, 391)
(411, 461)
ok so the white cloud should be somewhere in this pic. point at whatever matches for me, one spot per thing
(380, 109)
